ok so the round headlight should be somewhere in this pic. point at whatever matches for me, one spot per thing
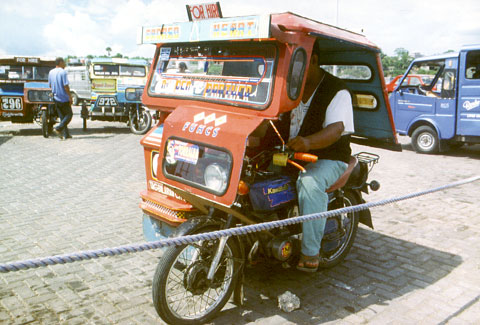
(215, 178)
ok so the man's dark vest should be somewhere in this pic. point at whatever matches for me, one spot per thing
(313, 121)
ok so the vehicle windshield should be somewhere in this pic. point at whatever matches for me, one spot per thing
(112, 70)
(238, 74)
(24, 72)
(423, 73)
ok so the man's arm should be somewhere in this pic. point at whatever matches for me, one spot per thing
(67, 89)
(322, 139)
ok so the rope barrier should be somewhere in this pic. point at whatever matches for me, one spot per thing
(133, 248)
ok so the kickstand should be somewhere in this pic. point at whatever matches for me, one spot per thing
(238, 294)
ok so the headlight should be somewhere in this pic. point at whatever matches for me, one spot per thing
(215, 177)
(134, 94)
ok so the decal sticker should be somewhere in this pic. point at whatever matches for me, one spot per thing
(201, 125)
(160, 188)
(182, 151)
(165, 53)
(468, 105)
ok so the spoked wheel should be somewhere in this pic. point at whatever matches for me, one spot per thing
(140, 125)
(346, 235)
(182, 294)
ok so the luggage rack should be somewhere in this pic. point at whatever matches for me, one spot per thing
(368, 158)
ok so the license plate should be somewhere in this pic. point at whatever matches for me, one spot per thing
(12, 103)
(105, 101)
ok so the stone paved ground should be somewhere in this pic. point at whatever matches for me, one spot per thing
(421, 264)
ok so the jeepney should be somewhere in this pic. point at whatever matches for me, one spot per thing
(110, 77)
(24, 91)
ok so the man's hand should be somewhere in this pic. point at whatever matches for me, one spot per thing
(322, 139)
(299, 144)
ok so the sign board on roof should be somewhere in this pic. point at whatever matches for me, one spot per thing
(204, 11)
(218, 29)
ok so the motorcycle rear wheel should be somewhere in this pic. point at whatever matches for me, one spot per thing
(181, 294)
(350, 221)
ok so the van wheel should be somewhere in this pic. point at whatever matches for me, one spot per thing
(425, 140)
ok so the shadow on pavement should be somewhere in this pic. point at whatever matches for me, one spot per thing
(378, 269)
(4, 139)
(73, 131)
(471, 151)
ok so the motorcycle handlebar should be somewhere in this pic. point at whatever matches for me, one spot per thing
(303, 156)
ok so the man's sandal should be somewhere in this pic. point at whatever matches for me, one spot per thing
(308, 263)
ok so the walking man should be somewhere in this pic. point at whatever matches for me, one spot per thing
(58, 82)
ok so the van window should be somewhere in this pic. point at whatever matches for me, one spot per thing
(472, 68)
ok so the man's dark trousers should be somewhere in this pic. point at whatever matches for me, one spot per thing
(64, 111)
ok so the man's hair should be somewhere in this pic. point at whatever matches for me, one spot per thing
(59, 60)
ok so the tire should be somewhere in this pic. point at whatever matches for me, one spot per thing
(350, 221)
(44, 118)
(425, 140)
(142, 125)
(177, 272)
(74, 99)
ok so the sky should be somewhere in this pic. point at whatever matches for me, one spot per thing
(81, 27)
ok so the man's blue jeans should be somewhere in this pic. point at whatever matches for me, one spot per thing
(64, 111)
(312, 198)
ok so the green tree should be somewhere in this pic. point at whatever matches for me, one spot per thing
(109, 50)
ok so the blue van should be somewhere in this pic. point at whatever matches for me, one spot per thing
(445, 111)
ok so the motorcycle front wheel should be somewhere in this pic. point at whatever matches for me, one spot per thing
(140, 124)
(181, 292)
(349, 232)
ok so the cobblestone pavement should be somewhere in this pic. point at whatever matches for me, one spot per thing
(421, 264)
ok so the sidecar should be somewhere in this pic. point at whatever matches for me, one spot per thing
(20, 77)
(111, 77)
(39, 97)
(240, 72)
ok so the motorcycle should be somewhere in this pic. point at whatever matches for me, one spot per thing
(193, 282)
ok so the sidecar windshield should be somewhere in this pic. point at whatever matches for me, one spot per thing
(232, 73)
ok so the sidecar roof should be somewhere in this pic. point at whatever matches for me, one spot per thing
(221, 29)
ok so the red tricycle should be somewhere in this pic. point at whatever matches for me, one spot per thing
(220, 86)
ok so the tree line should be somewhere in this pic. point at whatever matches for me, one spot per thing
(397, 64)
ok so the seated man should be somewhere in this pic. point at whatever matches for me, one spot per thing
(321, 124)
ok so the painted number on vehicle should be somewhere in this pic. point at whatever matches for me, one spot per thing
(107, 101)
(12, 103)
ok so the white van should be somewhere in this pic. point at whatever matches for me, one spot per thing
(80, 83)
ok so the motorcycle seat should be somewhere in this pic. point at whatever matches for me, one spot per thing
(342, 180)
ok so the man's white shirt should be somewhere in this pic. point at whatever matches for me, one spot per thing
(339, 110)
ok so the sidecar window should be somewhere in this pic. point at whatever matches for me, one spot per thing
(237, 74)
(350, 72)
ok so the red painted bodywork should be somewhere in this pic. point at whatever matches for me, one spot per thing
(288, 31)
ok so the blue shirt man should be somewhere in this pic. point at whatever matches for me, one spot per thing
(58, 82)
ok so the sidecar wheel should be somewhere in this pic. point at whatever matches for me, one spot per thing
(181, 294)
(350, 220)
